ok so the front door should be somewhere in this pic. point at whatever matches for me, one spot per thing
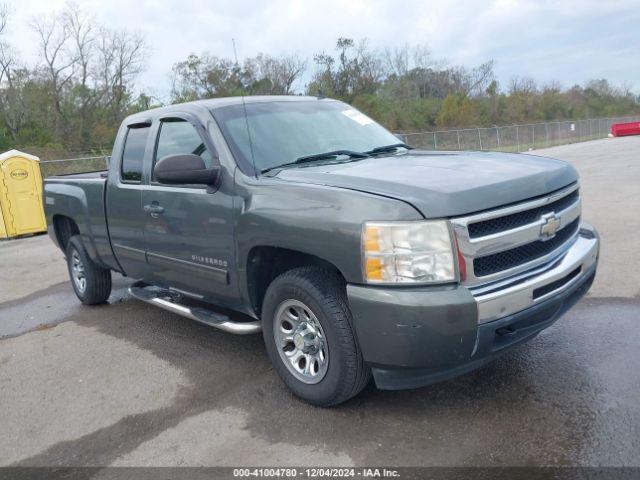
(188, 230)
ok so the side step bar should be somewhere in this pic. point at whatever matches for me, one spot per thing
(168, 300)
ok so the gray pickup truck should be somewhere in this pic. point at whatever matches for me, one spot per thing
(355, 255)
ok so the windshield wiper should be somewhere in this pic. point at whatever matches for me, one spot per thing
(320, 156)
(333, 153)
(388, 148)
(337, 153)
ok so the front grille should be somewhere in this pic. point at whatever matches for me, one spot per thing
(500, 224)
(517, 256)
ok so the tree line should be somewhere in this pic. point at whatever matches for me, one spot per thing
(84, 83)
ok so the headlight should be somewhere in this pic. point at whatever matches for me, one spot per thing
(407, 252)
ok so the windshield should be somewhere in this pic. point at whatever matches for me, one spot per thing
(282, 132)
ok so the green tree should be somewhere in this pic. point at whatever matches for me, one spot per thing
(457, 110)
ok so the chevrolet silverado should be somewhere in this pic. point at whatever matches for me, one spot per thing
(354, 254)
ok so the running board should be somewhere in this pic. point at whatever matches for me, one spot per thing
(168, 300)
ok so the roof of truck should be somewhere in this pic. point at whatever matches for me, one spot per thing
(213, 103)
(223, 102)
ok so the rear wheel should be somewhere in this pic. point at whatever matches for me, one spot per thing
(91, 283)
(309, 338)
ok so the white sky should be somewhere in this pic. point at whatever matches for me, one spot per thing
(568, 41)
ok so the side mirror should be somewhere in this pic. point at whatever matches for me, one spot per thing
(185, 169)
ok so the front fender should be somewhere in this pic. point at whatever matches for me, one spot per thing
(314, 219)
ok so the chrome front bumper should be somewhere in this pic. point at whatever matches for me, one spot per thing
(517, 293)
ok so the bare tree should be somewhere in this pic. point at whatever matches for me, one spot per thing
(409, 71)
(81, 31)
(59, 66)
(423, 58)
(356, 70)
(4, 17)
(280, 73)
(478, 79)
(82, 39)
(121, 56)
(12, 107)
(369, 69)
(522, 85)
(6, 57)
(397, 60)
(80, 86)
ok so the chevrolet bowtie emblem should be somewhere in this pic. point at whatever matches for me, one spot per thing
(551, 224)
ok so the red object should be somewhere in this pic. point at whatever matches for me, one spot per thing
(622, 129)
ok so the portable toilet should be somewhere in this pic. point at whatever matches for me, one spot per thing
(21, 210)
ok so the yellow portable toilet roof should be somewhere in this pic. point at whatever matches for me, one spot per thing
(17, 153)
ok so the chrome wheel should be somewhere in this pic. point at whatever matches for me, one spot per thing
(300, 341)
(77, 272)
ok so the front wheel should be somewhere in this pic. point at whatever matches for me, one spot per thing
(91, 283)
(308, 335)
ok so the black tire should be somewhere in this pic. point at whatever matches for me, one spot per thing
(66, 229)
(97, 279)
(324, 293)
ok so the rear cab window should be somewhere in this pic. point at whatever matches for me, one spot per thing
(133, 154)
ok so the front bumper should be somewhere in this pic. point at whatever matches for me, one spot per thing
(412, 337)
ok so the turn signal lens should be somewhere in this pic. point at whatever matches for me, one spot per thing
(407, 252)
(374, 269)
(371, 239)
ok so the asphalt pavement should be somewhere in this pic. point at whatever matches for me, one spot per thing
(129, 384)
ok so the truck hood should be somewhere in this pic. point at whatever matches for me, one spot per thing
(444, 184)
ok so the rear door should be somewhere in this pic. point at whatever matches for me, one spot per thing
(124, 200)
(188, 229)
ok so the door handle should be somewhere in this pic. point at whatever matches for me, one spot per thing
(154, 209)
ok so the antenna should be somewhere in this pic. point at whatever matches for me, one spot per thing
(244, 107)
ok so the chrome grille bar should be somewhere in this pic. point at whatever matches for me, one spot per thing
(472, 248)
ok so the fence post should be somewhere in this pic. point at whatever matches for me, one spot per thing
(546, 131)
(458, 134)
(579, 130)
(498, 136)
(479, 139)
(518, 138)
(533, 136)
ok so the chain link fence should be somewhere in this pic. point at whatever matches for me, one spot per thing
(73, 165)
(515, 138)
(510, 138)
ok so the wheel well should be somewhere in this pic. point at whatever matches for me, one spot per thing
(265, 263)
(65, 228)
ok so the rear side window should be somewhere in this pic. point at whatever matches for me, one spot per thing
(179, 136)
(133, 154)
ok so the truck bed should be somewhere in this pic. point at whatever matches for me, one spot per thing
(81, 198)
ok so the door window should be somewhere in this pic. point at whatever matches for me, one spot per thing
(179, 136)
(133, 154)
